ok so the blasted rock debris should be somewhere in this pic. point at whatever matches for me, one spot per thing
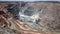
(29, 17)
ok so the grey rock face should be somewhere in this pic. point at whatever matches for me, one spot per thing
(47, 12)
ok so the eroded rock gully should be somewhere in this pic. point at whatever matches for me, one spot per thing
(29, 17)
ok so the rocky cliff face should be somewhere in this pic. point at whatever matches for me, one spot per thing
(30, 18)
(47, 15)
(8, 20)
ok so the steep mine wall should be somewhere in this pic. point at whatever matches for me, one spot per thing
(48, 14)
(29, 17)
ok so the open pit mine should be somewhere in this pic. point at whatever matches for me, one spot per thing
(40, 17)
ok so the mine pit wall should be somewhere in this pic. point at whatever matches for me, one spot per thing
(50, 18)
(50, 13)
